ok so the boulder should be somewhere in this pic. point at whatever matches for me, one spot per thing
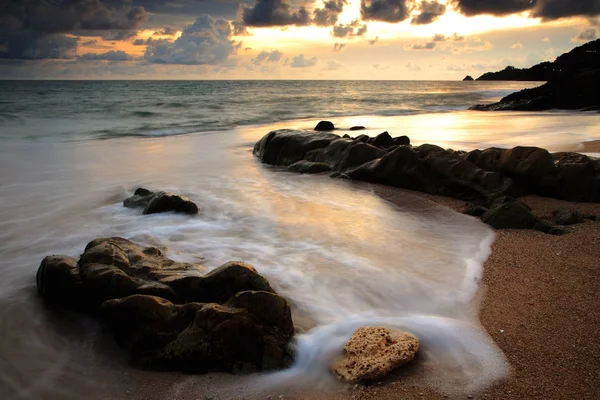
(577, 178)
(373, 352)
(159, 202)
(401, 141)
(362, 138)
(382, 140)
(566, 216)
(511, 215)
(172, 315)
(284, 147)
(527, 163)
(356, 154)
(309, 167)
(249, 332)
(325, 126)
(357, 128)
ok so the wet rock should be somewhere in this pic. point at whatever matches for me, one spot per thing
(357, 128)
(527, 163)
(565, 216)
(159, 202)
(362, 138)
(373, 352)
(172, 315)
(357, 154)
(401, 141)
(325, 126)
(511, 215)
(577, 178)
(309, 167)
(284, 147)
(382, 140)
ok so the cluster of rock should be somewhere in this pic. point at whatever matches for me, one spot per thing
(170, 315)
(373, 352)
(573, 83)
(159, 202)
(491, 178)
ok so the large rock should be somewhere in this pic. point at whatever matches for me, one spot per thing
(511, 215)
(382, 140)
(577, 178)
(566, 216)
(284, 147)
(159, 202)
(325, 126)
(173, 315)
(309, 167)
(373, 352)
(249, 332)
(527, 163)
(357, 154)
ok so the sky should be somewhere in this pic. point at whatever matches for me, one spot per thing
(286, 39)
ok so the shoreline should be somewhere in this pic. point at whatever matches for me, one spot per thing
(538, 305)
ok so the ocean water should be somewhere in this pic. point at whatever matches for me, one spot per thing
(71, 152)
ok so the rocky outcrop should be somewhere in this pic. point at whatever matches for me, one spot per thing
(159, 202)
(468, 78)
(172, 315)
(573, 82)
(325, 126)
(373, 352)
(479, 176)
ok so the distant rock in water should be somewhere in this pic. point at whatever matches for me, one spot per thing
(159, 202)
(573, 84)
(357, 128)
(325, 126)
(170, 315)
(468, 78)
(374, 352)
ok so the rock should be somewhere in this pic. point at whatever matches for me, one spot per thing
(357, 154)
(325, 126)
(401, 141)
(527, 163)
(357, 128)
(169, 314)
(346, 136)
(511, 215)
(468, 78)
(475, 210)
(249, 332)
(577, 178)
(565, 216)
(159, 202)
(373, 352)
(309, 167)
(382, 140)
(284, 147)
(362, 138)
(488, 159)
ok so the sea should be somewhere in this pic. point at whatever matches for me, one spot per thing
(72, 151)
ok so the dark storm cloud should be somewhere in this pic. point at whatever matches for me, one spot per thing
(494, 7)
(328, 15)
(555, 9)
(385, 10)
(430, 11)
(37, 29)
(267, 13)
(112, 55)
(217, 8)
(354, 28)
(206, 41)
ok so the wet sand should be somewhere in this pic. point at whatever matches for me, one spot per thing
(539, 303)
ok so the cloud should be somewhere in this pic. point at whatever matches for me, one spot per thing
(586, 35)
(494, 7)
(430, 11)
(333, 65)
(28, 45)
(239, 28)
(354, 28)
(337, 47)
(556, 9)
(267, 56)
(517, 46)
(424, 46)
(385, 10)
(328, 15)
(274, 13)
(457, 38)
(413, 67)
(546, 39)
(112, 55)
(438, 37)
(206, 41)
(374, 41)
(166, 31)
(300, 61)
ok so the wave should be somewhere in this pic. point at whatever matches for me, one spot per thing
(144, 114)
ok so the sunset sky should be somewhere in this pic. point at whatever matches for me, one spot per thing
(283, 39)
